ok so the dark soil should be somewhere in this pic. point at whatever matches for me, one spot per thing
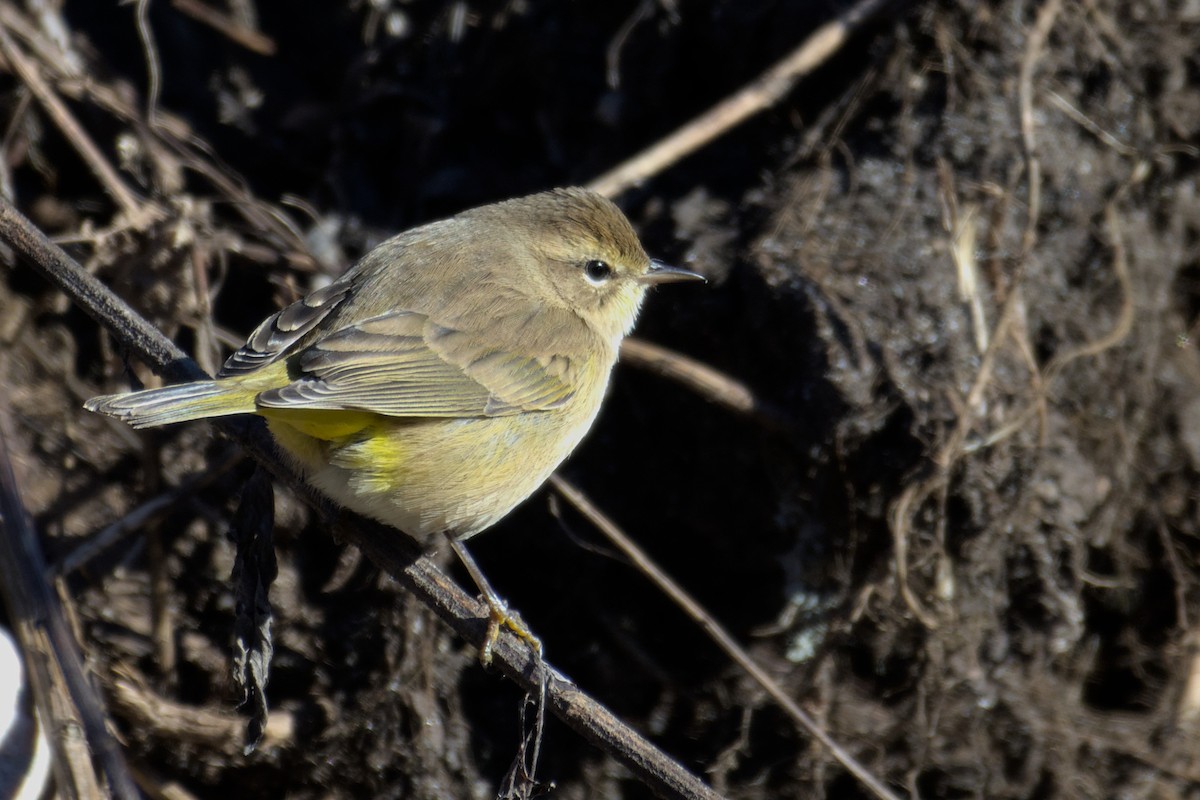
(973, 552)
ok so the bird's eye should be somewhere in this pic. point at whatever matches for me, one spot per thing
(597, 271)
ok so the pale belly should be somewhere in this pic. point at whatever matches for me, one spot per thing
(428, 476)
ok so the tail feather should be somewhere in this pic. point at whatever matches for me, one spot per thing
(180, 403)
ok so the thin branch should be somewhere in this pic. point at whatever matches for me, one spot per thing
(706, 381)
(148, 513)
(178, 722)
(760, 94)
(1046, 17)
(74, 716)
(1120, 330)
(28, 72)
(170, 132)
(718, 634)
(394, 553)
(150, 51)
(252, 40)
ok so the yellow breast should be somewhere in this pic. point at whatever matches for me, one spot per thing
(426, 476)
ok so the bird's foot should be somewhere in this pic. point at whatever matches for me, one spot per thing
(500, 616)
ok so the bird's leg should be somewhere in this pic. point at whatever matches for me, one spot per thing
(498, 610)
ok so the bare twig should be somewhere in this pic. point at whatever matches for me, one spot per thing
(29, 73)
(252, 40)
(718, 634)
(612, 56)
(146, 514)
(1090, 125)
(756, 96)
(1120, 330)
(704, 380)
(156, 787)
(1047, 14)
(397, 555)
(150, 51)
(178, 722)
(170, 132)
(75, 718)
(1125, 317)
(162, 620)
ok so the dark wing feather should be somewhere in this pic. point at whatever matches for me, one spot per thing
(279, 332)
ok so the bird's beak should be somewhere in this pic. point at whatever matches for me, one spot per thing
(663, 273)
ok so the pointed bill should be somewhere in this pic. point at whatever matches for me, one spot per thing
(664, 273)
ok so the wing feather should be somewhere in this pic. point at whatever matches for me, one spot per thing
(278, 333)
(400, 364)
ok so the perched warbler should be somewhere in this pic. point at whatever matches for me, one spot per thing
(443, 378)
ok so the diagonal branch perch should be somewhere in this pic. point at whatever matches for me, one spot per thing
(396, 554)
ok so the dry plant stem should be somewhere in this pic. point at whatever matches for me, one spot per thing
(915, 494)
(1120, 331)
(48, 50)
(718, 634)
(1088, 124)
(28, 72)
(205, 727)
(75, 719)
(169, 131)
(1125, 318)
(250, 39)
(150, 50)
(703, 380)
(391, 551)
(906, 505)
(1047, 14)
(756, 96)
(1178, 576)
(147, 513)
(162, 621)
(157, 787)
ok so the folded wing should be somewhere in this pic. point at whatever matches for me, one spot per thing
(402, 364)
(280, 332)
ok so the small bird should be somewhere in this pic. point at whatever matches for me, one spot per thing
(444, 377)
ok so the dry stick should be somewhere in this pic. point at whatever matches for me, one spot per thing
(162, 620)
(66, 701)
(705, 381)
(906, 505)
(1038, 36)
(179, 722)
(760, 94)
(28, 72)
(156, 787)
(718, 634)
(390, 550)
(1120, 330)
(150, 51)
(252, 40)
(181, 141)
(1042, 26)
(147, 513)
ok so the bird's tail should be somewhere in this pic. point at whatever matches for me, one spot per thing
(185, 401)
